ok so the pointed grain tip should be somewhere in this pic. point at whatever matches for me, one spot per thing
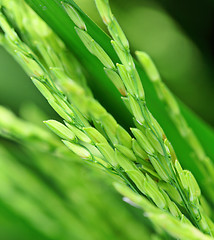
(74, 15)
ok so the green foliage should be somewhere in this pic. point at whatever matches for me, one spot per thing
(48, 9)
(143, 160)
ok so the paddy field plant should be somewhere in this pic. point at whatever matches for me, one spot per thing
(135, 154)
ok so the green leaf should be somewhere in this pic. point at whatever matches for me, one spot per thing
(56, 17)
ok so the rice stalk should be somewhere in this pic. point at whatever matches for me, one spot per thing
(205, 164)
(146, 162)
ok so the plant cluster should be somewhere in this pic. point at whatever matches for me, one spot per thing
(141, 162)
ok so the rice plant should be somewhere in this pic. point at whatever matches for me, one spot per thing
(137, 158)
